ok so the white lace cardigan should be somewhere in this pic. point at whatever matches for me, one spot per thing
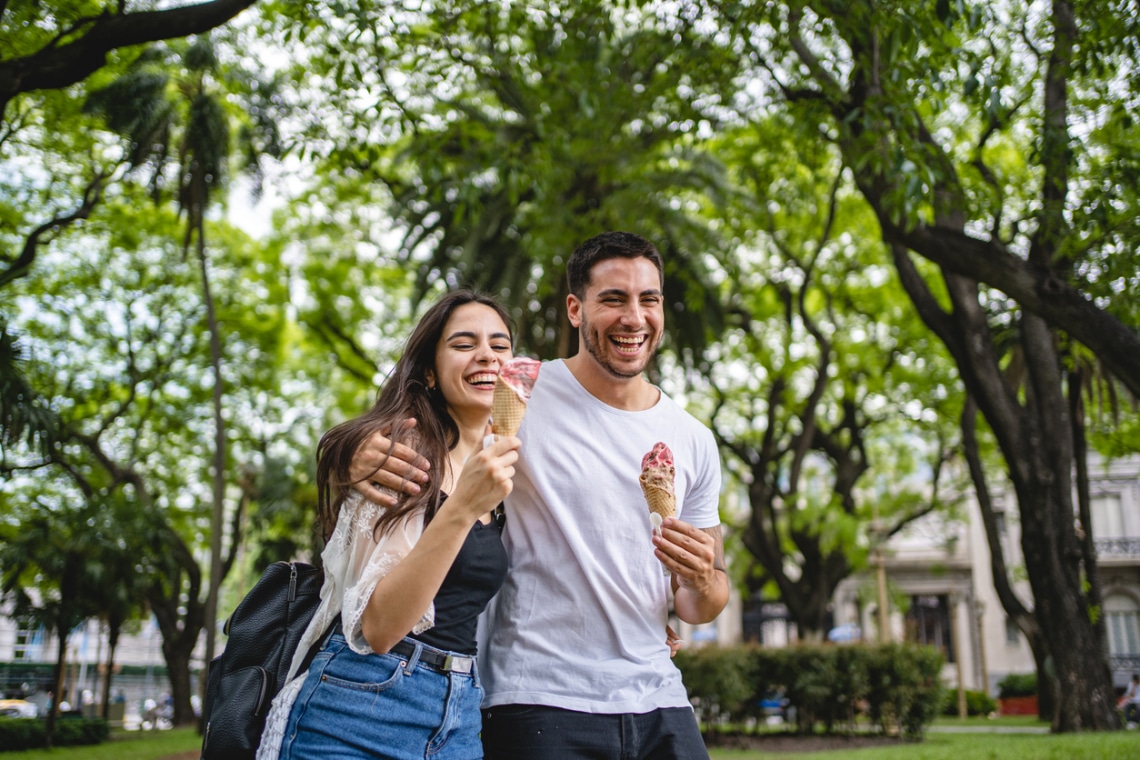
(354, 561)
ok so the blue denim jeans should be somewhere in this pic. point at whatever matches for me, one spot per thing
(383, 706)
(533, 732)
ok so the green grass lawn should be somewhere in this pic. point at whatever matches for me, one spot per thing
(1124, 745)
(123, 745)
(981, 721)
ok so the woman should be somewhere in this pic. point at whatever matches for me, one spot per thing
(396, 678)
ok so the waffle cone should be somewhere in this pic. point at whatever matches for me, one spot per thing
(507, 410)
(660, 500)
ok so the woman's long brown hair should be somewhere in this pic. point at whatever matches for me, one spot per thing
(404, 394)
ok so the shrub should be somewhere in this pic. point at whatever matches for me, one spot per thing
(977, 703)
(900, 684)
(1018, 685)
(719, 681)
(28, 733)
(904, 687)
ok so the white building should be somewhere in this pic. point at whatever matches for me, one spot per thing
(942, 569)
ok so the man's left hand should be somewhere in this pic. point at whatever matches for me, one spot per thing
(695, 557)
(690, 554)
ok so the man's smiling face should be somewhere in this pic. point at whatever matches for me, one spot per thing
(621, 316)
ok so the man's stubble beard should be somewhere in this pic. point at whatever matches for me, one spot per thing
(594, 350)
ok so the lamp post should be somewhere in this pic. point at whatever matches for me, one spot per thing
(979, 613)
(880, 578)
(956, 648)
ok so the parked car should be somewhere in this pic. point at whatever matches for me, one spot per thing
(17, 708)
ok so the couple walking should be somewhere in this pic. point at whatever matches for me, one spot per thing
(536, 550)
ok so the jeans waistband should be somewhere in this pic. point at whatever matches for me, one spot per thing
(435, 659)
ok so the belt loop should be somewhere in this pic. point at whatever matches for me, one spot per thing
(415, 658)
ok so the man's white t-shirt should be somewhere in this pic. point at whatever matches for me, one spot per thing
(580, 621)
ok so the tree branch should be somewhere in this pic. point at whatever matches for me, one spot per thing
(1037, 290)
(57, 66)
(92, 194)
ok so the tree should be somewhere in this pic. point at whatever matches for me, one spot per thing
(49, 567)
(186, 121)
(58, 46)
(832, 404)
(123, 346)
(957, 122)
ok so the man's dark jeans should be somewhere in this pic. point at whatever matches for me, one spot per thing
(532, 732)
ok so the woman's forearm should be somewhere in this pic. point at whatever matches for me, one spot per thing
(400, 597)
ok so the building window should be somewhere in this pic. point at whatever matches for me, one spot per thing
(1012, 632)
(1107, 516)
(928, 622)
(1122, 616)
(26, 640)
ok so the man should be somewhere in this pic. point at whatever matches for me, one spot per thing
(573, 658)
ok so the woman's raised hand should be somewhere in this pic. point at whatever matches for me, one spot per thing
(486, 477)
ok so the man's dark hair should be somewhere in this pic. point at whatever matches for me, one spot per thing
(608, 245)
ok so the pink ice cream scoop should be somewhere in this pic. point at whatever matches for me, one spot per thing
(520, 373)
(658, 457)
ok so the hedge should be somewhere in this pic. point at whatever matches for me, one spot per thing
(977, 703)
(1018, 685)
(28, 733)
(897, 686)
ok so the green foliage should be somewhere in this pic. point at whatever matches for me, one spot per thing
(905, 687)
(723, 679)
(977, 703)
(23, 417)
(832, 402)
(1018, 685)
(898, 685)
(28, 733)
(557, 121)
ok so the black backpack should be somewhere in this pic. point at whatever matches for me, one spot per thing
(263, 634)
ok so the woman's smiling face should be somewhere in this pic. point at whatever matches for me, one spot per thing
(474, 344)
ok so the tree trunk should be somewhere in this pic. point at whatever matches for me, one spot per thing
(57, 689)
(1046, 683)
(179, 613)
(113, 630)
(1021, 615)
(1041, 469)
(1036, 441)
(218, 513)
(178, 656)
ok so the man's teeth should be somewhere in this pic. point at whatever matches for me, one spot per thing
(628, 343)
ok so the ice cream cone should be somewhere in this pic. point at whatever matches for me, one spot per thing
(660, 500)
(507, 410)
